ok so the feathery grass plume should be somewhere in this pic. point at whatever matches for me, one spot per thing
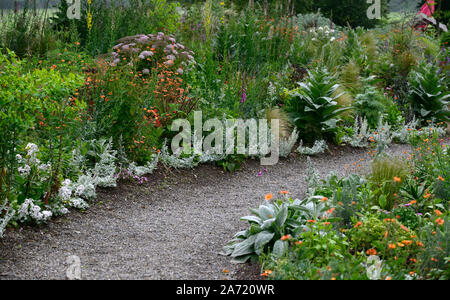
(370, 46)
(344, 99)
(284, 125)
(387, 173)
(349, 77)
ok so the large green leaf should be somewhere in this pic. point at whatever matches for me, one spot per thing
(262, 239)
(279, 248)
(281, 216)
(244, 247)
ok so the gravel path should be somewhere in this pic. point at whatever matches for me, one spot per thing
(173, 228)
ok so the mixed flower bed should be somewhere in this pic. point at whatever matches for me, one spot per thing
(389, 222)
(87, 102)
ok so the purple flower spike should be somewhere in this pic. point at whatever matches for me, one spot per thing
(244, 96)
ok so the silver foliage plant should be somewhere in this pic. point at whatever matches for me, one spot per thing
(317, 148)
(383, 135)
(286, 145)
(7, 217)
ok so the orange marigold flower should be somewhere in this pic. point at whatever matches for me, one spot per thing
(330, 211)
(371, 252)
(268, 196)
(358, 224)
(427, 195)
(311, 221)
(440, 178)
(285, 237)
(438, 212)
(324, 199)
(407, 242)
(391, 246)
(413, 202)
(284, 192)
(397, 179)
(439, 221)
(404, 227)
(400, 244)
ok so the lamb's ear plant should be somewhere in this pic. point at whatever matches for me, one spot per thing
(269, 223)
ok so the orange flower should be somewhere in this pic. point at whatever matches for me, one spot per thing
(440, 178)
(407, 242)
(311, 221)
(404, 227)
(397, 179)
(391, 246)
(438, 212)
(324, 199)
(268, 196)
(427, 195)
(400, 244)
(298, 243)
(330, 211)
(439, 221)
(266, 273)
(413, 202)
(226, 271)
(358, 224)
(284, 192)
(285, 237)
(371, 252)
(386, 234)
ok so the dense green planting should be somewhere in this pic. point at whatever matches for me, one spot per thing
(86, 102)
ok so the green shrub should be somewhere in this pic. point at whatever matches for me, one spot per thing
(371, 105)
(36, 108)
(370, 233)
(313, 109)
(429, 94)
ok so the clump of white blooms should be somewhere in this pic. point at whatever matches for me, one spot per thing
(28, 211)
(84, 187)
(317, 148)
(287, 144)
(78, 203)
(65, 191)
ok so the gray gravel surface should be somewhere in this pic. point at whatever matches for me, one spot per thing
(172, 228)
